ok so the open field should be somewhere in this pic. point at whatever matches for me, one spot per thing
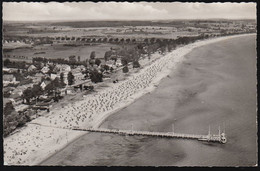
(61, 51)
(158, 29)
(29, 33)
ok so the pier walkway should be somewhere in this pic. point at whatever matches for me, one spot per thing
(209, 138)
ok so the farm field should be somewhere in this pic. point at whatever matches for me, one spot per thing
(61, 51)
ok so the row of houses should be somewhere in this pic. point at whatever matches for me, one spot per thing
(57, 70)
(43, 72)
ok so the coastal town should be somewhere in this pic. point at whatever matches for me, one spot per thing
(63, 76)
(32, 85)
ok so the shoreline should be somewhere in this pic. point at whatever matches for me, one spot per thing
(164, 73)
(171, 60)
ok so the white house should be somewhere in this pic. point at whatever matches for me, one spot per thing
(44, 84)
(78, 77)
(6, 70)
(37, 77)
(31, 68)
(53, 76)
(76, 70)
(70, 90)
(9, 78)
(118, 63)
(45, 69)
(38, 74)
(65, 77)
(63, 68)
(17, 91)
(82, 67)
(110, 63)
(21, 107)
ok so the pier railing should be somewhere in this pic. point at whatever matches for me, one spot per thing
(220, 138)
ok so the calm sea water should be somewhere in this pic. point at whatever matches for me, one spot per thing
(215, 85)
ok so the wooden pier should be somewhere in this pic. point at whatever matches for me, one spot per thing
(220, 138)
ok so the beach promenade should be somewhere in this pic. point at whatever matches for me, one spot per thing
(47, 134)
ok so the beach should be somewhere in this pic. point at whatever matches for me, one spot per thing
(121, 100)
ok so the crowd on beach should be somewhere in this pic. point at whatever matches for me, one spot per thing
(47, 131)
(24, 148)
(83, 113)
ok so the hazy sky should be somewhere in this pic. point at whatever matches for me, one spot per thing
(125, 11)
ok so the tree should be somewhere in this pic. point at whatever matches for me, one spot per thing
(93, 55)
(37, 90)
(9, 108)
(19, 76)
(149, 51)
(152, 40)
(27, 95)
(7, 62)
(9, 119)
(163, 49)
(72, 58)
(133, 54)
(114, 57)
(91, 62)
(96, 76)
(86, 72)
(63, 84)
(50, 87)
(107, 55)
(111, 69)
(70, 78)
(124, 61)
(56, 83)
(136, 64)
(125, 69)
(106, 67)
(97, 62)
(62, 77)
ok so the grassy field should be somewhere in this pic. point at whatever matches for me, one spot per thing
(60, 51)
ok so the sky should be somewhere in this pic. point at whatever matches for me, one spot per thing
(38, 11)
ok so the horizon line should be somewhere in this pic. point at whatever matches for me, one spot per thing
(128, 19)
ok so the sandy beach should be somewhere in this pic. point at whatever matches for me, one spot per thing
(48, 134)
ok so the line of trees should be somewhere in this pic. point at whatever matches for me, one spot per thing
(72, 60)
(71, 78)
(133, 54)
(12, 119)
(15, 64)
(96, 76)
